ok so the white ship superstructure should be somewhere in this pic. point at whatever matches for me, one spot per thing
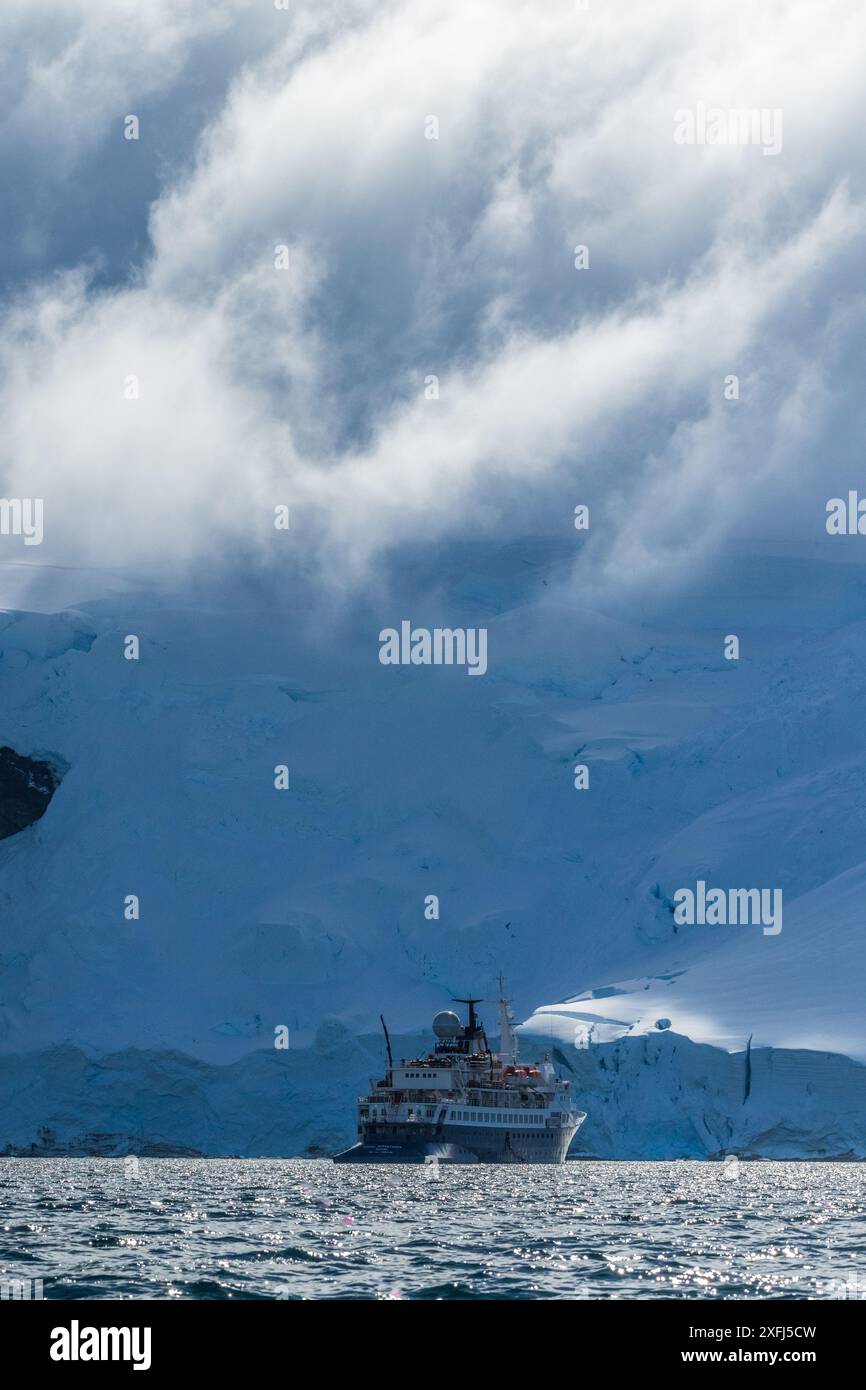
(464, 1103)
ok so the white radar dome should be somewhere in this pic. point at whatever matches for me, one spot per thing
(447, 1025)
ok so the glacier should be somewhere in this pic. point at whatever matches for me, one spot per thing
(304, 909)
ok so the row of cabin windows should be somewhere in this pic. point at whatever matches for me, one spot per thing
(479, 1116)
(495, 1116)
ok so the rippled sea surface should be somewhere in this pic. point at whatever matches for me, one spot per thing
(231, 1228)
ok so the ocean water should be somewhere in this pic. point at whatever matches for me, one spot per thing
(253, 1229)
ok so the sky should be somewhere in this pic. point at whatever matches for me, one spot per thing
(309, 383)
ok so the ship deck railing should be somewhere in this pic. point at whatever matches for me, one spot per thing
(424, 1098)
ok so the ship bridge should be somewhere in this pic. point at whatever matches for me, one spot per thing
(421, 1076)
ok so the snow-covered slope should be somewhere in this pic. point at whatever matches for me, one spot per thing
(801, 992)
(306, 907)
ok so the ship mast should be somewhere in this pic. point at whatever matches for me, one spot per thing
(507, 1036)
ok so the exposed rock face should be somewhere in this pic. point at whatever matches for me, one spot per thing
(26, 787)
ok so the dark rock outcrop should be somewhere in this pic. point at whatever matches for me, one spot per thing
(26, 787)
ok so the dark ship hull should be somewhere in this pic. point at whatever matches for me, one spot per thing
(466, 1144)
(417, 1151)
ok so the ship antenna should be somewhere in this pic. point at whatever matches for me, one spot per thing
(387, 1042)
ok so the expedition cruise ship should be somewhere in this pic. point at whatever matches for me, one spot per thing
(463, 1103)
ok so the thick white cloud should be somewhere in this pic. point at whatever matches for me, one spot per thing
(411, 256)
(72, 70)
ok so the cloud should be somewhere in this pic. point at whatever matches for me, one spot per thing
(71, 70)
(454, 256)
